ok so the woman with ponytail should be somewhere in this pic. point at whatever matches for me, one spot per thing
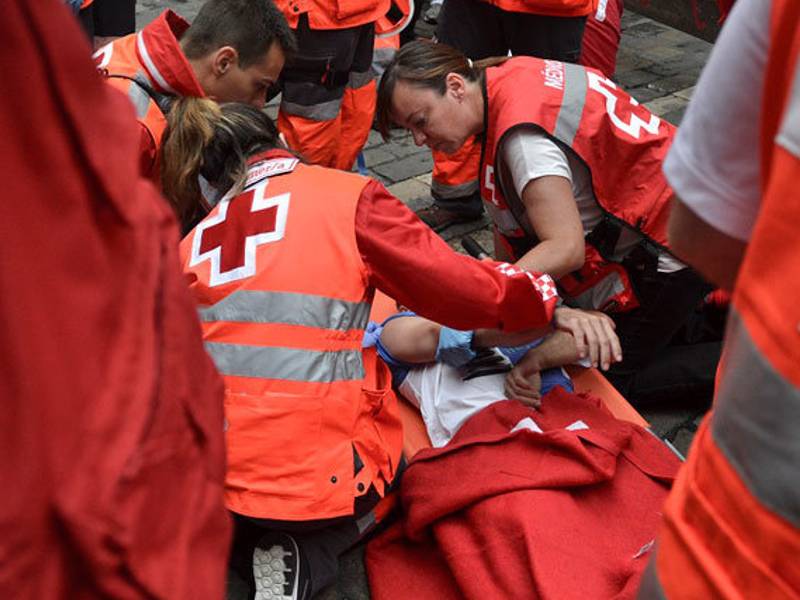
(571, 175)
(283, 259)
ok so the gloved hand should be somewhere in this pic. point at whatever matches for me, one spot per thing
(455, 347)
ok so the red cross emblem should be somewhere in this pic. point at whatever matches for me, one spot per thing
(229, 239)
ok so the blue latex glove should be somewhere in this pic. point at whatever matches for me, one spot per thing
(455, 347)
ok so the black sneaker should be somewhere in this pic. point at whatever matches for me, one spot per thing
(439, 219)
(276, 569)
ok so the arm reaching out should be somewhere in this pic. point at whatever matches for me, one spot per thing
(563, 348)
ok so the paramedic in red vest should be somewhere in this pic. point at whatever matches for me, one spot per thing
(571, 176)
(732, 522)
(112, 452)
(233, 52)
(550, 29)
(284, 292)
(328, 96)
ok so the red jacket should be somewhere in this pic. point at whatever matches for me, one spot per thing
(622, 144)
(111, 455)
(285, 291)
(154, 57)
(561, 515)
(333, 14)
(553, 8)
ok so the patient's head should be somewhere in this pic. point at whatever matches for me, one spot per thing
(211, 141)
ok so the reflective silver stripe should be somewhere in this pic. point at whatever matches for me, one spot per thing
(141, 46)
(288, 308)
(650, 588)
(139, 99)
(502, 218)
(366, 522)
(755, 423)
(324, 111)
(289, 364)
(358, 80)
(460, 190)
(597, 296)
(569, 117)
(789, 134)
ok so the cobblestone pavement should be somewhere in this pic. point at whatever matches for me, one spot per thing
(656, 64)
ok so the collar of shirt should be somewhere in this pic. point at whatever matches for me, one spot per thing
(159, 50)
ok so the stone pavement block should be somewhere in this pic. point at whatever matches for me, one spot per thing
(374, 139)
(407, 167)
(411, 191)
(683, 440)
(675, 116)
(668, 418)
(645, 29)
(425, 178)
(403, 146)
(455, 232)
(644, 94)
(685, 93)
(680, 64)
(483, 236)
(661, 106)
(635, 78)
(628, 60)
(672, 83)
(377, 155)
(659, 54)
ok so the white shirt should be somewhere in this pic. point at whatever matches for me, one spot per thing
(529, 153)
(714, 163)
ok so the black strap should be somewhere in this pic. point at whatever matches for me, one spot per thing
(163, 101)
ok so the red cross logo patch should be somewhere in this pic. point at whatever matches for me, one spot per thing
(229, 239)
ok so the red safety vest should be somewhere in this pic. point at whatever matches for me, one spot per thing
(150, 69)
(622, 144)
(333, 14)
(732, 523)
(553, 8)
(284, 302)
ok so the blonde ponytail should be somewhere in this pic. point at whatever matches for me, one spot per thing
(192, 125)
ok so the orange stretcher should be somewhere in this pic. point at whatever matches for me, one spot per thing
(415, 436)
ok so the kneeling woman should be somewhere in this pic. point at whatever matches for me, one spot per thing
(284, 262)
(571, 175)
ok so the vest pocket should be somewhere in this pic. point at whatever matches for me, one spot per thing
(274, 443)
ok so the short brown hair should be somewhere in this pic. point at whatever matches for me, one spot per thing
(248, 26)
(424, 64)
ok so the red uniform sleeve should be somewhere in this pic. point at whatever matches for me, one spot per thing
(147, 152)
(413, 265)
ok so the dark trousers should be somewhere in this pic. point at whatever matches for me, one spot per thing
(105, 18)
(481, 30)
(342, 50)
(659, 362)
(321, 543)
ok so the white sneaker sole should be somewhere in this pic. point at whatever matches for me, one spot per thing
(269, 571)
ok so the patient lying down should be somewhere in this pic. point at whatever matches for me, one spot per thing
(450, 375)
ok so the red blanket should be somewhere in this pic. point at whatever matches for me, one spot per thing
(555, 515)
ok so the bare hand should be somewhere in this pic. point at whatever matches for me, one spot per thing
(594, 335)
(524, 383)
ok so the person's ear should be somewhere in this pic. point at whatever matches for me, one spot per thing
(456, 86)
(223, 60)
